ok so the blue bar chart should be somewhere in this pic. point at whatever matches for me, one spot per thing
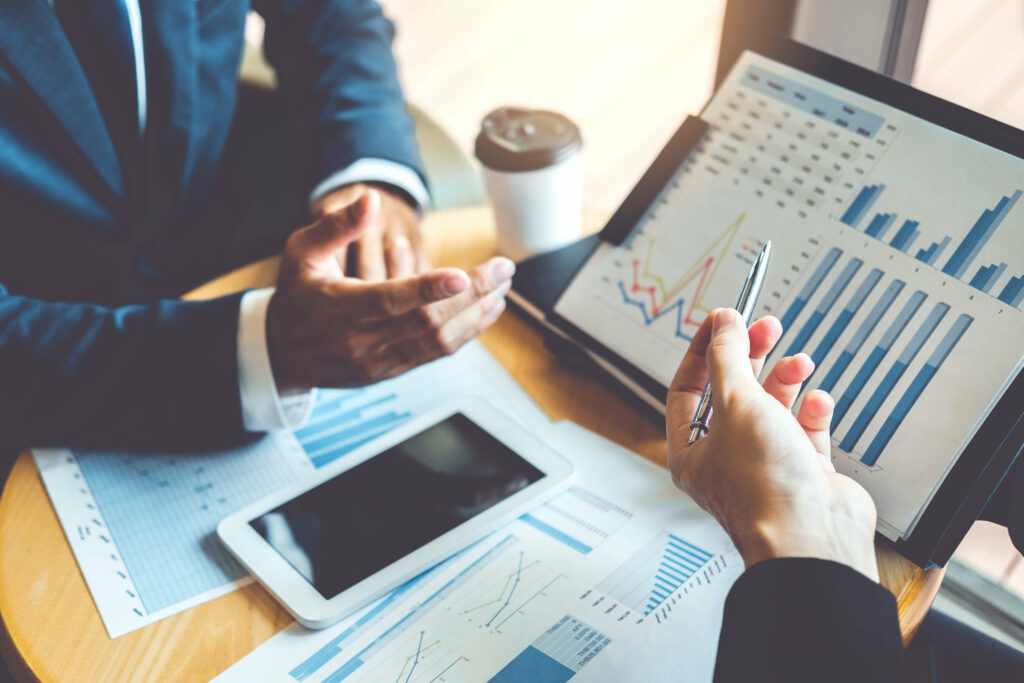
(880, 225)
(895, 373)
(811, 286)
(979, 235)
(876, 356)
(860, 336)
(824, 306)
(1013, 292)
(557, 655)
(931, 254)
(987, 276)
(344, 420)
(965, 253)
(657, 570)
(917, 387)
(906, 236)
(842, 321)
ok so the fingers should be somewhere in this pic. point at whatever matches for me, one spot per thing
(787, 378)
(450, 290)
(399, 257)
(336, 231)
(764, 335)
(376, 300)
(367, 257)
(815, 416)
(422, 259)
(485, 278)
(728, 355)
(688, 383)
(448, 338)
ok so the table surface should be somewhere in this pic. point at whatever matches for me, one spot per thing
(53, 630)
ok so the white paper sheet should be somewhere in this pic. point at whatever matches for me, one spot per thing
(142, 526)
(619, 578)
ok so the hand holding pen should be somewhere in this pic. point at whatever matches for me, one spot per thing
(764, 472)
(748, 299)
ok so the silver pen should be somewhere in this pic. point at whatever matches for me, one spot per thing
(748, 299)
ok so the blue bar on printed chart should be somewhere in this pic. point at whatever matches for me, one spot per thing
(811, 287)
(863, 332)
(861, 204)
(415, 612)
(997, 272)
(905, 237)
(556, 655)
(845, 316)
(882, 391)
(880, 224)
(557, 534)
(1013, 292)
(345, 420)
(329, 651)
(979, 235)
(917, 387)
(932, 253)
(876, 356)
(981, 277)
(987, 276)
(824, 306)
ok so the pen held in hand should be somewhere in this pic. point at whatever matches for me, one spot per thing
(745, 305)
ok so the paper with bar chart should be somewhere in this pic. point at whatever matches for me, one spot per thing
(142, 526)
(583, 587)
(898, 261)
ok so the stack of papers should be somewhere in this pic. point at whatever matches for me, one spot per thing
(142, 526)
(619, 577)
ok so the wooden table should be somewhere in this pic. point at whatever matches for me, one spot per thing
(53, 631)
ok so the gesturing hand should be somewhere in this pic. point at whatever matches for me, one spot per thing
(763, 473)
(391, 246)
(328, 330)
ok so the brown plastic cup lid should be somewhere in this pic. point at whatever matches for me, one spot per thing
(515, 139)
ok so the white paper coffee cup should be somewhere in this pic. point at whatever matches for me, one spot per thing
(534, 176)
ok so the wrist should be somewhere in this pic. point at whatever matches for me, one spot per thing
(344, 195)
(284, 378)
(848, 542)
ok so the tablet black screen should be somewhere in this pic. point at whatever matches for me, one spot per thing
(352, 526)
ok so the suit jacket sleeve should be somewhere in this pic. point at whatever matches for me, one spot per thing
(804, 619)
(161, 375)
(1006, 506)
(335, 68)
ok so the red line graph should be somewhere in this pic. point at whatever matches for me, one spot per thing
(657, 307)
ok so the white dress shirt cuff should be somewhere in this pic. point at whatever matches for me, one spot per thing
(263, 408)
(372, 170)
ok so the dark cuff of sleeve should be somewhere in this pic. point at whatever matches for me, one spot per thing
(805, 619)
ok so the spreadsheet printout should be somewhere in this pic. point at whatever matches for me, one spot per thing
(142, 527)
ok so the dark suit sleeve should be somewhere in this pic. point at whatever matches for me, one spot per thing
(803, 619)
(1006, 506)
(155, 376)
(335, 67)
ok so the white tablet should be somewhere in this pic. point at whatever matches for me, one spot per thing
(392, 509)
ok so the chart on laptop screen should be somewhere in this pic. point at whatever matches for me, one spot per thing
(898, 261)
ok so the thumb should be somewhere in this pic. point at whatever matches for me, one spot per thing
(728, 354)
(338, 229)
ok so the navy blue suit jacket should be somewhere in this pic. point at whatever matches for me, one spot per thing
(83, 222)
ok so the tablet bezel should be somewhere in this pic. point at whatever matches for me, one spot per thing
(993, 449)
(315, 611)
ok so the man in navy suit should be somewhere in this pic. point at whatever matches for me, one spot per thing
(115, 174)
